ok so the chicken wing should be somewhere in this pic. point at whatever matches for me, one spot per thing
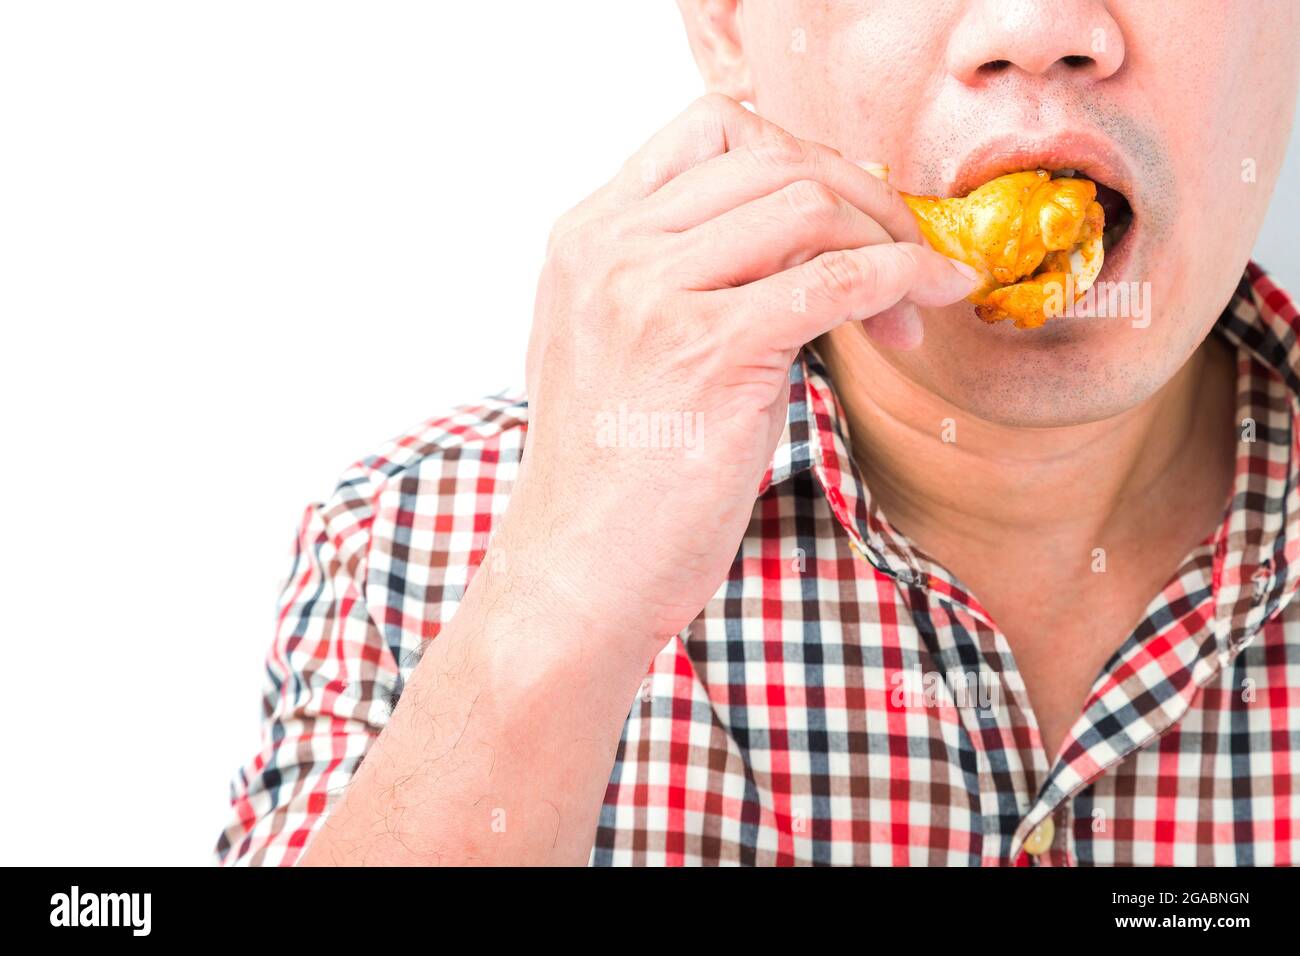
(1036, 242)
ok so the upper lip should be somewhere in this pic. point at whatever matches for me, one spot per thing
(1092, 156)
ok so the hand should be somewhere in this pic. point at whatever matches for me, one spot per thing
(683, 290)
(677, 297)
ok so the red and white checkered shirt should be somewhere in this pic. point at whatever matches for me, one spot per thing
(842, 698)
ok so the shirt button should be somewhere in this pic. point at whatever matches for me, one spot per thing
(1040, 839)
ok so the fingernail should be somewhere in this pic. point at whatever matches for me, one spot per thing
(878, 170)
(968, 271)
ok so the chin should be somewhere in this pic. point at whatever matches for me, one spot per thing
(1069, 372)
(1073, 369)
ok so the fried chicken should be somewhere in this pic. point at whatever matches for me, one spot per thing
(1035, 240)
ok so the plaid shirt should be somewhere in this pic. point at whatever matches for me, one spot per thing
(842, 698)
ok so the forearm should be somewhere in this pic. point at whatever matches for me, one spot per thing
(500, 749)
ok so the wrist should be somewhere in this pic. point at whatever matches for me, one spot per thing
(529, 621)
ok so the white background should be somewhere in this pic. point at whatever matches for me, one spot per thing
(241, 244)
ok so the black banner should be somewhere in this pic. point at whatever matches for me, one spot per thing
(386, 906)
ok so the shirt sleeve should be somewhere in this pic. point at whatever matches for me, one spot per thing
(329, 680)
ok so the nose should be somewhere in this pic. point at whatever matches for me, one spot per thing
(1066, 38)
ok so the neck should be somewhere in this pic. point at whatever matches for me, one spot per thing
(1066, 489)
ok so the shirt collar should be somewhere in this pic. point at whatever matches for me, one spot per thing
(1257, 548)
(1255, 569)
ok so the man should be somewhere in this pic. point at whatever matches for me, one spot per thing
(899, 587)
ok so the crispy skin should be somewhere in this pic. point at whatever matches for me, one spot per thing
(1020, 231)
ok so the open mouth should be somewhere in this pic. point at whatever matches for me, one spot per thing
(1038, 238)
(1114, 205)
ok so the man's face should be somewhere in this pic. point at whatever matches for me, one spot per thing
(1182, 105)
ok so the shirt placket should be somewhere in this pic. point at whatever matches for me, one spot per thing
(1014, 769)
(1005, 742)
(1045, 836)
(1249, 577)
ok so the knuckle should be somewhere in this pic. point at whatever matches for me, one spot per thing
(813, 200)
(715, 104)
(840, 272)
(899, 212)
(613, 230)
(898, 261)
(579, 242)
(781, 150)
(569, 252)
(642, 166)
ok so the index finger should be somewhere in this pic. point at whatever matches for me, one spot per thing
(793, 307)
(751, 170)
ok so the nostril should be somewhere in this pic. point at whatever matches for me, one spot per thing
(1073, 61)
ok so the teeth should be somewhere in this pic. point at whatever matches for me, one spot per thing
(1063, 174)
(1085, 263)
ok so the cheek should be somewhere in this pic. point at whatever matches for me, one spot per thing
(1194, 259)
(1210, 93)
(1195, 269)
(883, 113)
(1218, 90)
(850, 74)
